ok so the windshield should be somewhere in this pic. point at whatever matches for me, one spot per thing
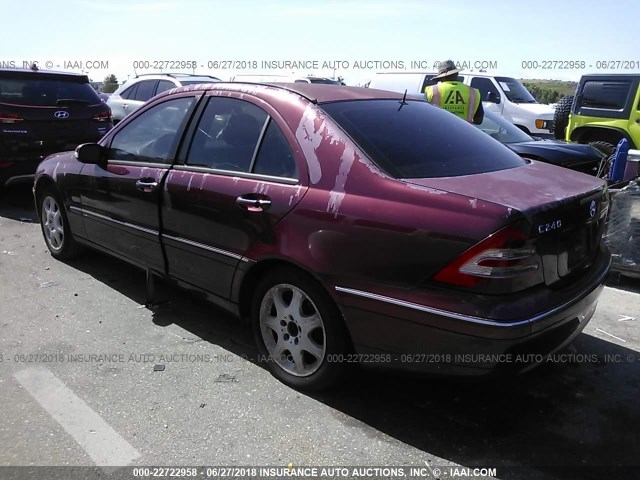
(502, 130)
(419, 140)
(197, 82)
(514, 90)
(46, 92)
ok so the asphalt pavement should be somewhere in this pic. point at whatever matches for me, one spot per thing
(91, 377)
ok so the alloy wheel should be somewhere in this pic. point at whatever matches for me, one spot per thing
(292, 330)
(52, 223)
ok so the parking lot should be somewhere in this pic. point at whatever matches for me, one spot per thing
(82, 328)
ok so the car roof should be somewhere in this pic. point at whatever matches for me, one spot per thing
(314, 92)
(173, 76)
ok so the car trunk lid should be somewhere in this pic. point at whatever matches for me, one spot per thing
(566, 210)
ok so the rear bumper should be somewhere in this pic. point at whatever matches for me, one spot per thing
(394, 334)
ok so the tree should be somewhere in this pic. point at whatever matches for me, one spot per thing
(110, 84)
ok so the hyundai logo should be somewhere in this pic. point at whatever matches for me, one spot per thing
(592, 208)
(61, 114)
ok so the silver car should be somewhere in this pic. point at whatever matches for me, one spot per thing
(134, 93)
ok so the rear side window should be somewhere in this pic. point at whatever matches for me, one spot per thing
(163, 86)
(130, 93)
(145, 90)
(420, 140)
(275, 157)
(45, 92)
(227, 135)
(605, 94)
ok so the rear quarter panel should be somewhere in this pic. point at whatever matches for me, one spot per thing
(357, 224)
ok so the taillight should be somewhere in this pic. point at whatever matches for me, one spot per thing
(103, 116)
(6, 164)
(506, 261)
(7, 117)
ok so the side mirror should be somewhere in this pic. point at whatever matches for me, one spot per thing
(493, 97)
(89, 153)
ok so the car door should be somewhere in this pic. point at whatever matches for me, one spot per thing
(490, 94)
(239, 177)
(120, 202)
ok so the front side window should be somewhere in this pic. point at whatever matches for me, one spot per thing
(486, 87)
(227, 135)
(152, 136)
(420, 140)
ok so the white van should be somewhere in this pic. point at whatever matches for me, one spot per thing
(505, 96)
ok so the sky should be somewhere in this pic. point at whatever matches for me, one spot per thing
(525, 40)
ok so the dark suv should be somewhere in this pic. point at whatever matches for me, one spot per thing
(44, 112)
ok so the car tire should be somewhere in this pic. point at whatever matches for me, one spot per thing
(561, 117)
(605, 147)
(605, 165)
(55, 225)
(299, 331)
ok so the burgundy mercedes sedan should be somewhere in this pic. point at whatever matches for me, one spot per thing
(346, 224)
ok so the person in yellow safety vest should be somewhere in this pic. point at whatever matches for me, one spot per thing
(455, 96)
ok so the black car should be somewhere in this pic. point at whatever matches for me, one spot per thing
(44, 112)
(583, 158)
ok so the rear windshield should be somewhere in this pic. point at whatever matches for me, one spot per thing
(605, 94)
(420, 140)
(46, 92)
(326, 81)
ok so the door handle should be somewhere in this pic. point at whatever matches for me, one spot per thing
(125, 106)
(258, 204)
(146, 186)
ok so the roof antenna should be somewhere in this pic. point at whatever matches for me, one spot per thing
(403, 102)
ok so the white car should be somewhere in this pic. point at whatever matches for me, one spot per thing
(505, 96)
(133, 94)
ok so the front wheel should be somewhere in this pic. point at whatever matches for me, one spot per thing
(55, 226)
(299, 331)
